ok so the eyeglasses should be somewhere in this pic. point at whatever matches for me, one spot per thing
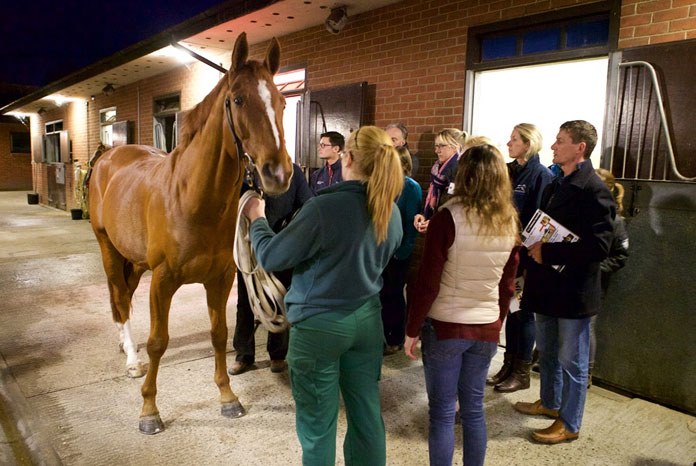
(322, 145)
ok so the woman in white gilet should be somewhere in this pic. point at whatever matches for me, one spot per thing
(460, 299)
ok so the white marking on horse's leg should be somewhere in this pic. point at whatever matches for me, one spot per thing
(134, 367)
(265, 93)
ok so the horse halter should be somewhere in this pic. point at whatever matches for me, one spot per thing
(241, 153)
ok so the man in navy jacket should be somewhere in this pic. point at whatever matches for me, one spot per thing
(564, 301)
(330, 150)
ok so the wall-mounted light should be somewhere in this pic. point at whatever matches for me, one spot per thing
(92, 98)
(336, 20)
(41, 111)
(108, 89)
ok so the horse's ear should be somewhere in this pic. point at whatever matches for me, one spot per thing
(272, 60)
(240, 52)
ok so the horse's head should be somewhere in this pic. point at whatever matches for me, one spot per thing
(256, 109)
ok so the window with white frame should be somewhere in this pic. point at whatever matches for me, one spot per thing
(52, 153)
(107, 117)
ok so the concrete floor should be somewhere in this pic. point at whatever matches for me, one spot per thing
(64, 398)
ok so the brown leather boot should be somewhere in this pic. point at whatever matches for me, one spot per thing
(504, 371)
(556, 433)
(519, 378)
(535, 409)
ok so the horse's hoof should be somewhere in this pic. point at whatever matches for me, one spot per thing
(233, 410)
(134, 371)
(151, 425)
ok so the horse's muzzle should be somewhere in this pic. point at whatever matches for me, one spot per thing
(275, 178)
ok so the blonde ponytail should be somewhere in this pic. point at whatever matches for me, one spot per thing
(383, 187)
(616, 188)
(378, 161)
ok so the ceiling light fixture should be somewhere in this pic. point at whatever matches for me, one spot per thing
(336, 20)
(108, 89)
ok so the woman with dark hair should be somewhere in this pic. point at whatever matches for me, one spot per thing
(461, 297)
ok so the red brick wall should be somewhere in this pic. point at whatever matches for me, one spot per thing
(15, 171)
(134, 102)
(656, 21)
(413, 53)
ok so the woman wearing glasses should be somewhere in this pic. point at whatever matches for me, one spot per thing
(333, 304)
(448, 146)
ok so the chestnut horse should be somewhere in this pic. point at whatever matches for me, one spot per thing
(175, 214)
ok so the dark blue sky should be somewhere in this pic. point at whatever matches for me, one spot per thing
(42, 41)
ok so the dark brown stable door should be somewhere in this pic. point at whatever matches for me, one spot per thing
(343, 109)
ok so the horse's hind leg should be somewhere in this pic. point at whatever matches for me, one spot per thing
(123, 279)
(217, 293)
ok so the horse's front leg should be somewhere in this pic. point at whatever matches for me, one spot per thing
(161, 291)
(217, 292)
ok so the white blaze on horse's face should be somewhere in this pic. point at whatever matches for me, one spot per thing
(265, 94)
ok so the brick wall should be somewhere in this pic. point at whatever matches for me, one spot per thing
(134, 102)
(15, 173)
(656, 21)
(412, 53)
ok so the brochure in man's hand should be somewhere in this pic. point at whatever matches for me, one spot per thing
(547, 230)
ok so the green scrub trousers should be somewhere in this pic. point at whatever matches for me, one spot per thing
(332, 350)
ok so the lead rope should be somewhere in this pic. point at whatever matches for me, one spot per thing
(265, 291)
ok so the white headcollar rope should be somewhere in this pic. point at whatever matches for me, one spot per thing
(265, 291)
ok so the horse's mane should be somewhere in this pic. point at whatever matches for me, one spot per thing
(194, 119)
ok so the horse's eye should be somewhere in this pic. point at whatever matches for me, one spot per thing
(238, 101)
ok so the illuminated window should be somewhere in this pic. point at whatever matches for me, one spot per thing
(107, 117)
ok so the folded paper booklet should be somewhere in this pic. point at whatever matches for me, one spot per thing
(547, 230)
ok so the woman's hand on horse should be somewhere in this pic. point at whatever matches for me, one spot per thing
(254, 209)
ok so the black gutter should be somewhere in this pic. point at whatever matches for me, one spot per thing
(200, 58)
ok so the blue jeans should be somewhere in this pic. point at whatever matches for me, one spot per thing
(564, 349)
(456, 368)
(332, 351)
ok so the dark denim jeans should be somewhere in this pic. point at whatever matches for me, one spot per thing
(244, 341)
(456, 369)
(519, 334)
(393, 301)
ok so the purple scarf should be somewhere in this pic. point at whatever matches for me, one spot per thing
(438, 184)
